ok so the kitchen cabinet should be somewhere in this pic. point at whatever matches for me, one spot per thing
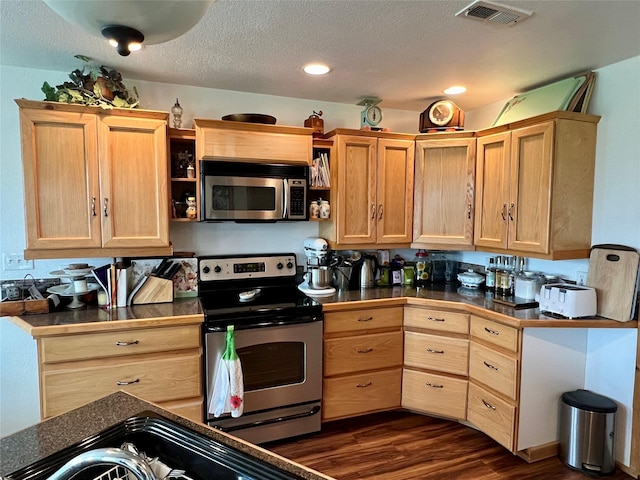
(320, 192)
(493, 375)
(534, 186)
(443, 212)
(184, 172)
(372, 186)
(159, 364)
(95, 181)
(362, 361)
(252, 142)
(435, 367)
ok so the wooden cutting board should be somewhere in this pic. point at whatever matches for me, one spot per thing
(613, 272)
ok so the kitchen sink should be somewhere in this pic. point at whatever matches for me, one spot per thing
(178, 447)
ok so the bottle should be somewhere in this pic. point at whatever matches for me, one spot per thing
(498, 280)
(325, 209)
(513, 273)
(504, 276)
(423, 269)
(490, 279)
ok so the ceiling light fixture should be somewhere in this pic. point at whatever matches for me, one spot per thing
(455, 90)
(316, 69)
(154, 21)
(124, 39)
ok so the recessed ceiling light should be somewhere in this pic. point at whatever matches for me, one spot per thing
(455, 90)
(316, 69)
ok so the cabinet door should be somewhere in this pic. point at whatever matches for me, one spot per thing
(356, 199)
(60, 161)
(395, 191)
(492, 190)
(530, 189)
(444, 192)
(133, 182)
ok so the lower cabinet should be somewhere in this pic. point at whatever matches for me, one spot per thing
(159, 364)
(494, 361)
(435, 366)
(362, 361)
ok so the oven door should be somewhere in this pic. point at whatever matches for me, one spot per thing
(282, 372)
(242, 198)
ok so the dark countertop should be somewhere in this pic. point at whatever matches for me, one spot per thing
(188, 311)
(49, 436)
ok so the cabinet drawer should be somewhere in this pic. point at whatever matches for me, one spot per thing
(364, 352)
(362, 393)
(436, 320)
(434, 352)
(495, 370)
(124, 342)
(435, 394)
(492, 415)
(495, 333)
(366, 319)
(156, 380)
(191, 408)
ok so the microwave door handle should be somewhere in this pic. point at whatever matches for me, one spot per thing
(285, 207)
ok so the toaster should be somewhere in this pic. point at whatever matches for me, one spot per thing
(568, 300)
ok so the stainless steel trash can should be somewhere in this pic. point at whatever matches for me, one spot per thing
(587, 432)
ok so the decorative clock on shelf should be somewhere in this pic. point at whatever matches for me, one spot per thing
(371, 116)
(442, 115)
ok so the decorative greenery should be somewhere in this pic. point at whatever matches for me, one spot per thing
(93, 85)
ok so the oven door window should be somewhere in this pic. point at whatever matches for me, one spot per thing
(243, 198)
(272, 364)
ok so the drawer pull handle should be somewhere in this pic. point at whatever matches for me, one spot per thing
(431, 350)
(366, 319)
(432, 319)
(488, 405)
(492, 332)
(492, 367)
(126, 344)
(366, 350)
(137, 380)
(364, 385)
(433, 385)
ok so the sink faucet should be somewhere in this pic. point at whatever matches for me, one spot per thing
(105, 456)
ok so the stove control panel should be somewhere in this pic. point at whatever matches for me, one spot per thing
(213, 269)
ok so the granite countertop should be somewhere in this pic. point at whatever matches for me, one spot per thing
(189, 311)
(49, 436)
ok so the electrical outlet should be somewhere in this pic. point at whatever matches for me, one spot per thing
(15, 261)
(581, 278)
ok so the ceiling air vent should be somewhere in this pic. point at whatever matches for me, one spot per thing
(491, 12)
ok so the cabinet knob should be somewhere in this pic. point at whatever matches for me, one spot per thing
(433, 385)
(366, 350)
(469, 210)
(504, 212)
(93, 206)
(431, 350)
(488, 405)
(105, 206)
(373, 211)
(380, 209)
(364, 385)
(511, 212)
(120, 383)
(126, 344)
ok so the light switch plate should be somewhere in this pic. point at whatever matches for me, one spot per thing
(15, 261)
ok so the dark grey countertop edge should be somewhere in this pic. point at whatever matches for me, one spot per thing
(49, 436)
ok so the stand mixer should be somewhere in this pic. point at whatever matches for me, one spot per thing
(318, 277)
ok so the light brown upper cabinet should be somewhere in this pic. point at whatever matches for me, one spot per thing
(95, 181)
(444, 191)
(534, 186)
(371, 190)
(253, 142)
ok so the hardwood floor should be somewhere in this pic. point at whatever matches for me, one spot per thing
(406, 446)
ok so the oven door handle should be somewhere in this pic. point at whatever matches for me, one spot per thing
(259, 423)
(272, 322)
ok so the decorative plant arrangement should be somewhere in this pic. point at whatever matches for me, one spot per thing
(93, 85)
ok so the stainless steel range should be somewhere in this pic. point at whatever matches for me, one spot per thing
(278, 338)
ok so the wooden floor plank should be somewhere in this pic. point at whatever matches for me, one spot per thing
(407, 446)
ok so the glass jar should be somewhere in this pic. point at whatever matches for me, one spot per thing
(527, 285)
(422, 269)
(325, 210)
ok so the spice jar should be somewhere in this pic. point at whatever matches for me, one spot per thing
(325, 209)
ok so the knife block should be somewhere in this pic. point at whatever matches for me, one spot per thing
(154, 290)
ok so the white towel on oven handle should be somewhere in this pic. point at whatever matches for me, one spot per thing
(228, 385)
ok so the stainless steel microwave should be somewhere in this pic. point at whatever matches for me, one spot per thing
(253, 192)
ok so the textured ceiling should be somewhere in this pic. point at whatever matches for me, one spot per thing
(402, 51)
